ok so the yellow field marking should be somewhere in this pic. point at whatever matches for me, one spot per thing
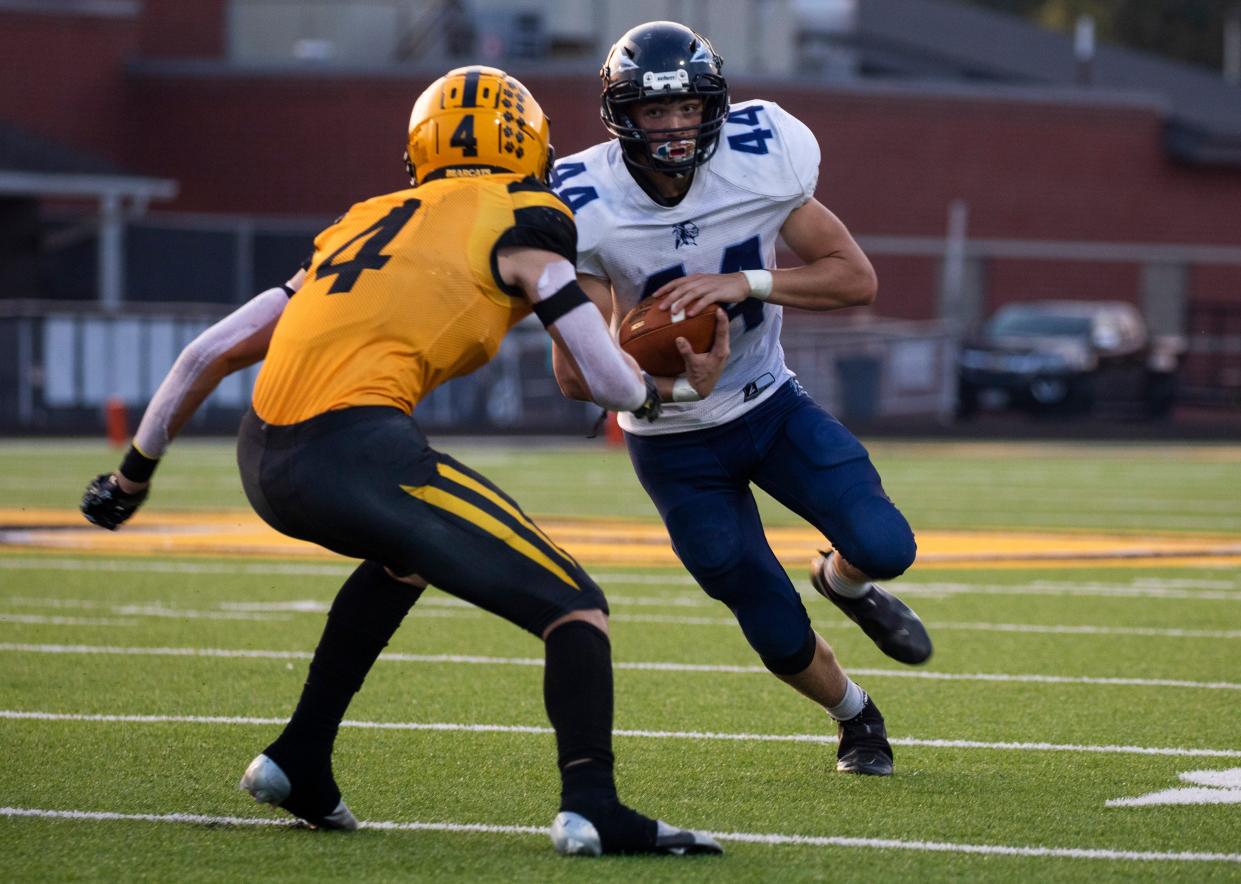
(612, 542)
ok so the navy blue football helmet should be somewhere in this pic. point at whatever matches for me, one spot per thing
(663, 59)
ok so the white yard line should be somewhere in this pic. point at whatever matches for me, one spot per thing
(40, 619)
(189, 614)
(1018, 628)
(772, 839)
(149, 609)
(1200, 590)
(243, 653)
(458, 608)
(696, 736)
(1073, 590)
(148, 566)
(1035, 628)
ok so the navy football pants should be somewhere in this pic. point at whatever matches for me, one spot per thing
(805, 459)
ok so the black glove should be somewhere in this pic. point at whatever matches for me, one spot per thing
(649, 410)
(106, 505)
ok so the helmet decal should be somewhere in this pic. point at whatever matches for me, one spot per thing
(703, 53)
(666, 81)
(473, 121)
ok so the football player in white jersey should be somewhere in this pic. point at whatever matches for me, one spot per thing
(685, 205)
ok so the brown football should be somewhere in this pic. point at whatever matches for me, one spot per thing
(649, 335)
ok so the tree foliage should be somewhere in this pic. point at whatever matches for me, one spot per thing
(1187, 30)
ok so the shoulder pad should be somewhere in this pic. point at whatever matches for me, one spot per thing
(767, 150)
(578, 179)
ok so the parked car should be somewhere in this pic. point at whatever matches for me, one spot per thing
(1068, 357)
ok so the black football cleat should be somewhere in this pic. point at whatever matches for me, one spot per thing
(269, 784)
(863, 746)
(887, 621)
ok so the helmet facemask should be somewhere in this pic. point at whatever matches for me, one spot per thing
(664, 60)
(675, 151)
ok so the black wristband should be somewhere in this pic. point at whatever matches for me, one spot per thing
(650, 409)
(569, 296)
(137, 467)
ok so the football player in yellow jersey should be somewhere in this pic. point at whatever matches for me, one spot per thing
(404, 292)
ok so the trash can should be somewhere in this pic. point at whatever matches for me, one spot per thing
(859, 386)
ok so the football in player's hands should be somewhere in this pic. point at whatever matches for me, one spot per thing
(649, 335)
(106, 505)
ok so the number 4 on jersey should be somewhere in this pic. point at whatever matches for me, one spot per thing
(744, 256)
(741, 256)
(381, 233)
(754, 141)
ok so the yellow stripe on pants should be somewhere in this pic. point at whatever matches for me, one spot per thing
(445, 500)
(478, 487)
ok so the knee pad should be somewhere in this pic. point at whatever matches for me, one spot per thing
(707, 543)
(882, 544)
(795, 662)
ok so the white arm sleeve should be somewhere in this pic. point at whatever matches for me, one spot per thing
(612, 381)
(152, 437)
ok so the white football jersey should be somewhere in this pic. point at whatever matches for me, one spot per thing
(766, 165)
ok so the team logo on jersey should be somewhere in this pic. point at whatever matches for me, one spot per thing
(685, 234)
(758, 385)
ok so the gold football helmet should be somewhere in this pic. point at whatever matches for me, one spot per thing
(477, 120)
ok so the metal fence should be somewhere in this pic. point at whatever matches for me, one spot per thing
(862, 370)
(63, 363)
(233, 257)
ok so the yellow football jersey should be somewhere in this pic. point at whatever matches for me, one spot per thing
(403, 293)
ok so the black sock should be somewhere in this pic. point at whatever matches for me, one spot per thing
(577, 690)
(367, 611)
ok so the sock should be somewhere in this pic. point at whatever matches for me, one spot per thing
(850, 705)
(367, 611)
(839, 583)
(577, 691)
(588, 789)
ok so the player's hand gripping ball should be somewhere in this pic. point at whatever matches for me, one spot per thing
(649, 335)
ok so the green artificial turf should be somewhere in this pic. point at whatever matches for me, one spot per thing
(143, 686)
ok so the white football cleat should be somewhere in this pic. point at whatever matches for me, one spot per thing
(269, 784)
(574, 835)
(684, 842)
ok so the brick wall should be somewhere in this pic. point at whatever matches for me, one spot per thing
(312, 144)
(62, 78)
(184, 28)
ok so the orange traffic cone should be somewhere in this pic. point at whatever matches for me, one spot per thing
(614, 434)
(116, 419)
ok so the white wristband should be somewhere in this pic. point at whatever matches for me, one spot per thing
(760, 283)
(683, 391)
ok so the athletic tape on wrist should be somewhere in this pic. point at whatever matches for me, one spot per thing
(683, 391)
(760, 283)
